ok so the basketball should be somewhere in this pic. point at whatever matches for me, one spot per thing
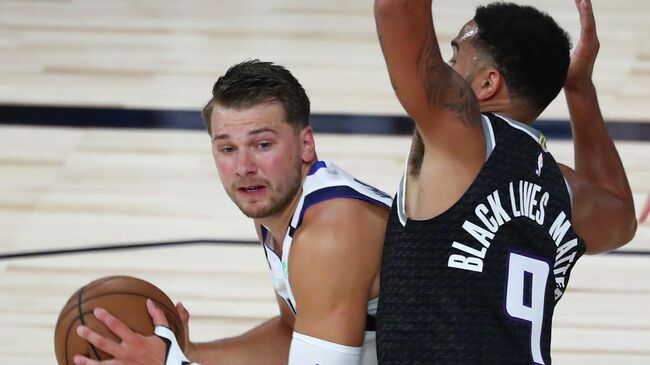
(122, 296)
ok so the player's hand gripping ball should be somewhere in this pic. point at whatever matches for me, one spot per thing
(122, 296)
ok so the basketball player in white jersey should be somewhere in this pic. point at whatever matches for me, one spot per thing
(321, 231)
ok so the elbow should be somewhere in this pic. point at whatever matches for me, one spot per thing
(628, 233)
(622, 235)
(628, 227)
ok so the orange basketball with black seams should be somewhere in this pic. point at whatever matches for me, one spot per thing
(122, 296)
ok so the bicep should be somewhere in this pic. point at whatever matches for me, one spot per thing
(332, 270)
(601, 218)
(331, 305)
(438, 99)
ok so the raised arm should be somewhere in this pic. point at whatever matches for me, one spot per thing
(334, 260)
(439, 101)
(603, 212)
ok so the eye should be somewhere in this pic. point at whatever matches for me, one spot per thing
(226, 149)
(452, 62)
(264, 145)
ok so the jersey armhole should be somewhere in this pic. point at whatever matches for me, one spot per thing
(568, 188)
(488, 132)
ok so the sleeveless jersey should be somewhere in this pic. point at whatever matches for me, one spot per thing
(478, 283)
(324, 181)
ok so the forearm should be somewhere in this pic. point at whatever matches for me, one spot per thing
(266, 344)
(596, 157)
(603, 193)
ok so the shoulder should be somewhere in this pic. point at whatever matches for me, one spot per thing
(339, 216)
(339, 226)
(336, 253)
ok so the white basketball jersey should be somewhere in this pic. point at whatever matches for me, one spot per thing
(324, 181)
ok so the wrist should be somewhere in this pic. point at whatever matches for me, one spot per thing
(191, 350)
(206, 353)
(579, 87)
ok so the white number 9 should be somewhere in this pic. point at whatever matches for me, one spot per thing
(523, 269)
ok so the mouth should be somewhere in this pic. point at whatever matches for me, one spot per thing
(251, 189)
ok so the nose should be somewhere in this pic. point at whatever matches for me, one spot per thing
(245, 164)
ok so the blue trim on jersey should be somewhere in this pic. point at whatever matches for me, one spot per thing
(264, 247)
(263, 230)
(316, 166)
(333, 192)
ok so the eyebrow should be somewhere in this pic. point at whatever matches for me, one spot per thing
(251, 133)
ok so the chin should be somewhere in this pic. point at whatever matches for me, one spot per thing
(263, 212)
(255, 212)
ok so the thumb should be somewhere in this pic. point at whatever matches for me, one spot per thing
(185, 317)
(157, 315)
(184, 313)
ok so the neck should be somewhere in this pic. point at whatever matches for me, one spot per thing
(502, 103)
(505, 107)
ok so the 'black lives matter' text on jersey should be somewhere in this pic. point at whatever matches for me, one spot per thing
(478, 283)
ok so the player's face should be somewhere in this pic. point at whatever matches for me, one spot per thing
(258, 156)
(466, 61)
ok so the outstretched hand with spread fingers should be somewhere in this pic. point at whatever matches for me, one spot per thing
(133, 349)
(584, 54)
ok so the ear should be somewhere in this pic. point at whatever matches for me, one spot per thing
(488, 84)
(307, 145)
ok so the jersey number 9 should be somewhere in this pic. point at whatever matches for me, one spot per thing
(525, 293)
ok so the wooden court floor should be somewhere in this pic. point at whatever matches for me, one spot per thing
(85, 188)
(75, 188)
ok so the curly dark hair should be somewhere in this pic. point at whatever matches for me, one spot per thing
(253, 82)
(527, 47)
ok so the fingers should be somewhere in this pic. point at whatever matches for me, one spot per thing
(157, 315)
(185, 317)
(587, 19)
(82, 360)
(115, 325)
(586, 50)
(184, 313)
(105, 344)
(133, 347)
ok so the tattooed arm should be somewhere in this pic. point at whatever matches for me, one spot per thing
(440, 102)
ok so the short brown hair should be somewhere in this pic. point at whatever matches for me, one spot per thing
(253, 82)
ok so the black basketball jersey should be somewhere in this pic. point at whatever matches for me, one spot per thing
(478, 283)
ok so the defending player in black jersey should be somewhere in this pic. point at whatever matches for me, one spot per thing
(486, 225)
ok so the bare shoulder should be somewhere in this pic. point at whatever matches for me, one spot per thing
(340, 225)
(343, 217)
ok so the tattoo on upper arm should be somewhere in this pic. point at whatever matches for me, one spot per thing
(446, 89)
